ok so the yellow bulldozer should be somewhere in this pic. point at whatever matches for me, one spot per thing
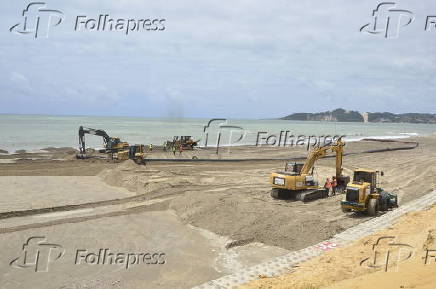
(297, 180)
(187, 142)
(365, 195)
(133, 152)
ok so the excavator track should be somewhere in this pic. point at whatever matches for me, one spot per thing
(310, 195)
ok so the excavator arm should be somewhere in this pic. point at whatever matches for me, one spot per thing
(321, 152)
(113, 146)
(98, 132)
(339, 149)
(312, 158)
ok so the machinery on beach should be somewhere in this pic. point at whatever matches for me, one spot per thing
(297, 180)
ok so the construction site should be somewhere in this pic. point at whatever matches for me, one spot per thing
(193, 144)
(208, 215)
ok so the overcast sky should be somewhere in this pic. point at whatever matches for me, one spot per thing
(240, 58)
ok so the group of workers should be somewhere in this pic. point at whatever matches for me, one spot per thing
(173, 148)
(330, 186)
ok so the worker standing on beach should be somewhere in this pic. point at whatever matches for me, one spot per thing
(328, 186)
(334, 185)
(180, 149)
(150, 147)
(173, 148)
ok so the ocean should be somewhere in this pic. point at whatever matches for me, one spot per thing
(35, 132)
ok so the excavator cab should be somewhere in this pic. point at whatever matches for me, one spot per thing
(293, 168)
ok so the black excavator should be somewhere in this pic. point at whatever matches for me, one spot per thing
(113, 146)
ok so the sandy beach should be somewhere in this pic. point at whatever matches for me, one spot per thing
(229, 199)
(224, 203)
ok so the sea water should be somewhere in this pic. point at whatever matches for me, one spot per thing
(34, 132)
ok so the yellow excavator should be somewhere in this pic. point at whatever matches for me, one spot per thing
(365, 195)
(113, 146)
(297, 180)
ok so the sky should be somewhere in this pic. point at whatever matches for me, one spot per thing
(233, 59)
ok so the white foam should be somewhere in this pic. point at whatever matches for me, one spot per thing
(409, 133)
(355, 139)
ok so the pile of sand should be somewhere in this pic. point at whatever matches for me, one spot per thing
(238, 204)
(141, 179)
(235, 203)
(341, 268)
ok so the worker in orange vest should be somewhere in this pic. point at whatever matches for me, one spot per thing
(328, 186)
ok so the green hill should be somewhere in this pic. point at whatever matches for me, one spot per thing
(343, 115)
(335, 115)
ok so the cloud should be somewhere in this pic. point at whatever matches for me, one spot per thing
(250, 59)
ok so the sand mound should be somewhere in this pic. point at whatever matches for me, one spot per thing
(341, 268)
(251, 214)
(141, 179)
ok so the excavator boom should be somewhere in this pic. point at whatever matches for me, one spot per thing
(111, 144)
(98, 132)
(338, 148)
(312, 158)
(321, 152)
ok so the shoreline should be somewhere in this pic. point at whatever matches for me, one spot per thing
(4, 151)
